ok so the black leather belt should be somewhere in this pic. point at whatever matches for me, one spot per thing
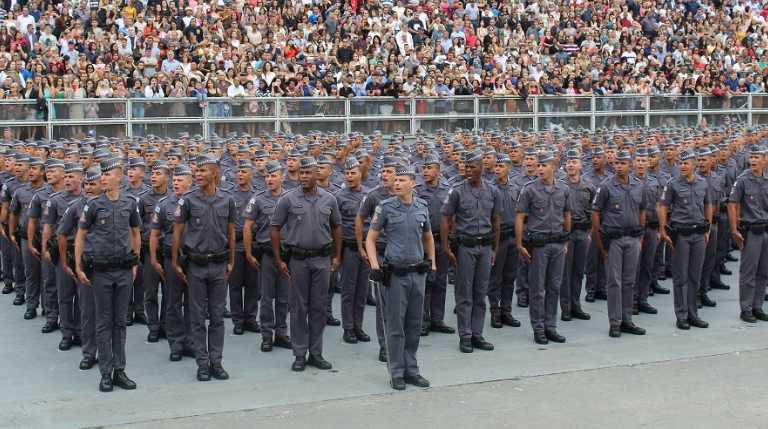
(652, 224)
(468, 241)
(507, 233)
(756, 228)
(582, 226)
(686, 230)
(300, 253)
(204, 259)
(421, 267)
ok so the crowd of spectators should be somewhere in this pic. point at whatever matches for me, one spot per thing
(129, 48)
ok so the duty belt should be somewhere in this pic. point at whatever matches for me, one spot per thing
(756, 228)
(469, 241)
(349, 244)
(542, 239)
(507, 233)
(300, 253)
(112, 263)
(203, 259)
(652, 224)
(686, 230)
(630, 231)
(582, 226)
(420, 267)
(261, 249)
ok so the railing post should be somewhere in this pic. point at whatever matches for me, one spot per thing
(206, 124)
(592, 118)
(347, 116)
(647, 110)
(277, 115)
(749, 109)
(129, 117)
(700, 99)
(476, 106)
(535, 113)
(49, 122)
(413, 115)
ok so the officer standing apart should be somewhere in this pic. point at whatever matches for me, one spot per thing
(403, 274)
(472, 210)
(618, 222)
(542, 229)
(312, 229)
(685, 212)
(748, 216)
(204, 230)
(110, 223)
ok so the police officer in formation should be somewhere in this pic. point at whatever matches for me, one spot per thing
(270, 223)
(204, 231)
(110, 224)
(403, 273)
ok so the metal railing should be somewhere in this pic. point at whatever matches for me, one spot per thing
(167, 117)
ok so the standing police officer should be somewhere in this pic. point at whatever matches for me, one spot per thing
(543, 210)
(312, 225)
(110, 223)
(403, 274)
(273, 308)
(618, 222)
(645, 271)
(150, 278)
(204, 230)
(685, 212)
(472, 210)
(748, 214)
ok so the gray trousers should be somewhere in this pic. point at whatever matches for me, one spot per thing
(244, 291)
(711, 260)
(7, 258)
(49, 292)
(753, 271)
(503, 273)
(545, 275)
(621, 271)
(333, 281)
(404, 314)
(472, 278)
(309, 295)
(207, 296)
(69, 311)
(87, 305)
(521, 280)
(435, 292)
(19, 276)
(575, 262)
(273, 307)
(596, 270)
(646, 269)
(354, 289)
(687, 260)
(136, 304)
(111, 291)
(31, 276)
(178, 324)
(154, 309)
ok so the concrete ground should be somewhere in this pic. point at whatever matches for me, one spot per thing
(669, 378)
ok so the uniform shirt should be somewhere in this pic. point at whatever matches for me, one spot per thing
(68, 223)
(434, 197)
(241, 203)
(55, 207)
(349, 202)
(619, 204)
(404, 225)
(20, 203)
(307, 218)
(260, 209)
(652, 192)
(473, 208)
(108, 224)
(9, 188)
(368, 206)
(686, 200)
(508, 195)
(36, 206)
(206, 218)
(289, 183)
(163, 218)
(545, 206)
(595, 179)
(581, 194)
(716, 188)
(749, 191)
(135, 192)
(147, 202)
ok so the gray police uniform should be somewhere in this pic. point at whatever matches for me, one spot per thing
(619, 206)
(751, 194)
(273, 308)
(354, 271)
(595, 269)
(77, 306)
(545, 207)
(473, 208)
(404, 225)
(645, 271)
(505, 268)
(175, 293)
(137, 295)
(13, 267)
(434, 296)
(206, 247)
(716, 188)
(37, 210)
(521, 180)
(243, 280)
(580, 197)
(150, 279)
(108, 227)
(687, 225)
(20, 204)
(306, 221)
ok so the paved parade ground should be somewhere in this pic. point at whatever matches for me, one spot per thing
(702, 378)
